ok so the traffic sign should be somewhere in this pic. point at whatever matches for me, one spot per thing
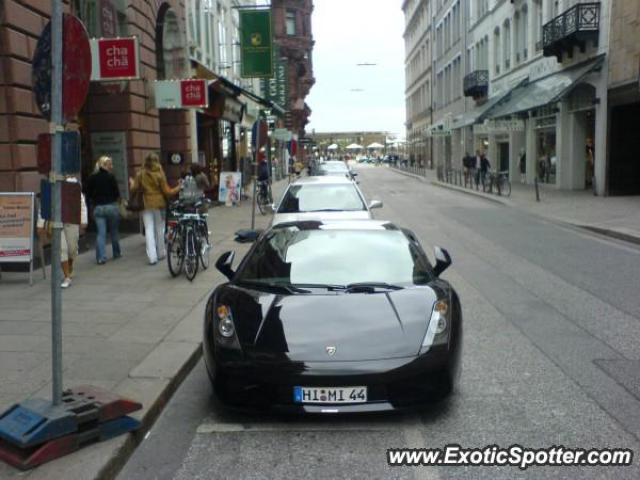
(263, 134)
(70, 153)
(115, 58)
(76, 70)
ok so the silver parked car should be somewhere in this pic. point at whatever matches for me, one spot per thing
(323, 198)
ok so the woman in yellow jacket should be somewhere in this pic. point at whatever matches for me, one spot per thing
(153, 182)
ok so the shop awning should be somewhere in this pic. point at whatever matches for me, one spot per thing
(547, 90)
(479, 113)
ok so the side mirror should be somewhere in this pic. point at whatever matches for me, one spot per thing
(224, 264)
(273, 207)
(443, 260)
(354, 174)
(247, 236)
(375, 204)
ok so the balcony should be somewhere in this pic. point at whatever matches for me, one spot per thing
(574, 28)
(476, 84)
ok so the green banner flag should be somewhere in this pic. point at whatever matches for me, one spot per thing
(256, 45)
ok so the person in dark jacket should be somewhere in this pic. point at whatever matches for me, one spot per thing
(103, 195)
(485, 166)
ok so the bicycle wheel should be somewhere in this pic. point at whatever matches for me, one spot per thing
(205, 248)
(262, 203)
(175, 254)
(505, 187)
(191, 258)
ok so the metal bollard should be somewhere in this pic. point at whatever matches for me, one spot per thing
(537, 189)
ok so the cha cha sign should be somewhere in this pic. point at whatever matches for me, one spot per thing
(181, 93)
(115, 59)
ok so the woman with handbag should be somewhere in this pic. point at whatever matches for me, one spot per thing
(152, 182)
(104, 196)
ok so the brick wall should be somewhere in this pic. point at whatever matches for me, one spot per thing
(21, 22)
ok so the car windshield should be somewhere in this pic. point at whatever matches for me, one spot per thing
(318, 198)
(337, 167)
(335, 257)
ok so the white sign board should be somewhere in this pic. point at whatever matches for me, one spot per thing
(16, 227)
(190, 93)
(282, 134)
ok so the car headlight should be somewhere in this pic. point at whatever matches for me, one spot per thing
(225, 329)
(437, 332)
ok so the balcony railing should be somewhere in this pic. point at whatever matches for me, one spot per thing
(476, 84)
(575, 27)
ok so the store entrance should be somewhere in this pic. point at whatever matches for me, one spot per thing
(624, 157)
(502, 164)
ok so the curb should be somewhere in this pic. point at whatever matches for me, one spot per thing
(475, 193)
(409, 174)
(120, 457)
(610, 233)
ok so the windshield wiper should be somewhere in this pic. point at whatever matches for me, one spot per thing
(279, 287)
(371, 286)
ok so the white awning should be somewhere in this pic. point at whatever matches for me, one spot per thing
(375, 145)
(354, 146)
(333, 146)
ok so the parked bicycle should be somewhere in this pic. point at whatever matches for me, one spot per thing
(188, 239)
(264, 197)
(499, 180)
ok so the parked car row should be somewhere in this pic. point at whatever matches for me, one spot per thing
(332, 311)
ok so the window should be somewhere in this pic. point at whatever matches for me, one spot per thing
(506, 44)
(525, 33)
(537, 24)
(496, 50)
(290, 22)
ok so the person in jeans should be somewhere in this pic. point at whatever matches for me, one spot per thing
(153, 182)
(104, 195)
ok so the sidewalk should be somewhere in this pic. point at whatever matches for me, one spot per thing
(618, 217)
(127, 326)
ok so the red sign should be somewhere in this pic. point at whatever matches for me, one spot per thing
(193, 93)
(117, 58)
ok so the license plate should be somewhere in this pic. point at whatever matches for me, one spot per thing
(330, 394)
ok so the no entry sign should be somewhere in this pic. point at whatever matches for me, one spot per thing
(115, 59)
(76, 68)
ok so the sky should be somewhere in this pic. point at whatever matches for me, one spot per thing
(348, 32)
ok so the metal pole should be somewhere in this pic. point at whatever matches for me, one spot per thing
(535, 181)
(255, 174)
(56, 128)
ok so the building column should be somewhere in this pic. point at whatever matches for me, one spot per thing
(601, 137)
(517, 141)
(530, 133)
(563, 146)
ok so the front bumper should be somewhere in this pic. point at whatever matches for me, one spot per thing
(392, 384)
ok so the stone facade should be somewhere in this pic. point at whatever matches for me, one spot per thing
(123, 107)
(294, 38)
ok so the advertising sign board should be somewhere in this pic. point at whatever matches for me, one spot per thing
(115, 59)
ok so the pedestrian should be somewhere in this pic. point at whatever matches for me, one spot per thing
(69, 239)
(485, 166)
(466, 167)
(523, 166)
(202, 182)
(153, 183)
(103, 194)
(475, 170)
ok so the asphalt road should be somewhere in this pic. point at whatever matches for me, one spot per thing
(551, 357)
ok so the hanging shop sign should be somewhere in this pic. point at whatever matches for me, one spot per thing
(192, 93)
(256, 43)
(233, 110)
(282, 134)
(115, 59)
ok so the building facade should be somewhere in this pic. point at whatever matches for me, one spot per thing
(535, 86)
(294, 39)
(623, 154)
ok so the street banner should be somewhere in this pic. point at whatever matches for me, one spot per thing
(276, 88)
(115, 59)
(256, 43)
(16, 227)
(230, 187)
(263, 134)
(188, 93)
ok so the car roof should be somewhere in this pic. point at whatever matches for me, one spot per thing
(323, 180)
(359, 225)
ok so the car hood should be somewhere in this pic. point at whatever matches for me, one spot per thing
(360, 326)
(343, 215)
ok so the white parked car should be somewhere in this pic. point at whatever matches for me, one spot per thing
(323, 198)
